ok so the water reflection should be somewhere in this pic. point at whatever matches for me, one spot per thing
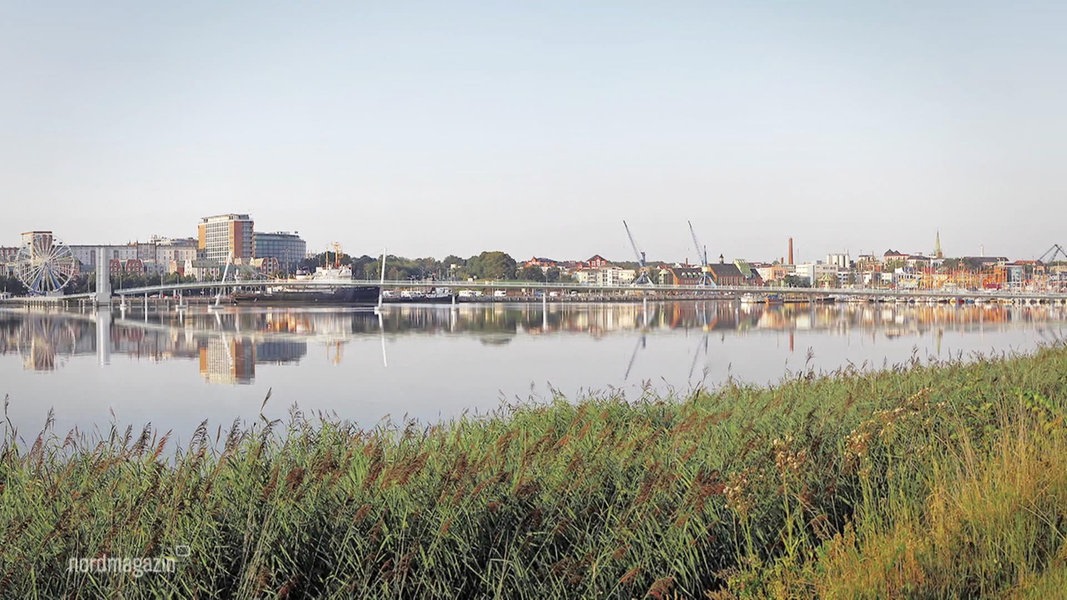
(176, 369)
(229, 344)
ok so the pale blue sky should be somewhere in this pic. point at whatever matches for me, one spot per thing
(535, 128)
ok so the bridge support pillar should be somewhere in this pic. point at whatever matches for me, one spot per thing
(103, 280)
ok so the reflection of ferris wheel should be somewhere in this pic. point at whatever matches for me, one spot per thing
(44, 264)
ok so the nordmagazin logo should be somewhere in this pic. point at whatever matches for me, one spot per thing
(138, 566)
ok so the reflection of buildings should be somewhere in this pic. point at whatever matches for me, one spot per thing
(602, 319)
(230, 360)
(229, 343)
(225, 359)
(280, 352)
(42, 339)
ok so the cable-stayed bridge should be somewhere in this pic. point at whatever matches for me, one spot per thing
(527, 289)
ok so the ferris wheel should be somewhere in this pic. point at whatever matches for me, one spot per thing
(44, 265)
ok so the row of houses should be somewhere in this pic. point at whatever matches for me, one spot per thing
(890, 269)
(597, 270)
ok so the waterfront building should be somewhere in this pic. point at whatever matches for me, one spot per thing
(894, 257)
(984, 261)
(584, 276)
(609, 275)
(222, 238)
(287, 250)
(680, 275)
(86, 253)
(7, 260)
(817, 274)
(841, 261)
(776, 272)
(157, 256)
(612, 275)
(543, 263)
(172, 254)
(725, 274)
(918, 261)
(750, 273)
(597, 262)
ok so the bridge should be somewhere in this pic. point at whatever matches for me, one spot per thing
(529, 289)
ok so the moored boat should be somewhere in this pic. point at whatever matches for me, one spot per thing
(433, 296)
(328, 285)
(342, 295)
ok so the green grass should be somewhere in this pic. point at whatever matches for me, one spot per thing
(922, 481)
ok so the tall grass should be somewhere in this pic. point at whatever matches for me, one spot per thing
(943, 480)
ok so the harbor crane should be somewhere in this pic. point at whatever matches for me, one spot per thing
(642, 277)
(702, 256)
(1052, 253)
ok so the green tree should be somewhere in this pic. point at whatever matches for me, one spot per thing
(492, 265)
(796, 281)
(452, 259)
(12, 286)
(530, 274)
(366, 267)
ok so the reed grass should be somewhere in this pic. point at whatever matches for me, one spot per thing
(946, 480)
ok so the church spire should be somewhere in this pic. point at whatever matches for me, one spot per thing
(937, 246)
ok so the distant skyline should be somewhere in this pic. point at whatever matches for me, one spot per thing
(438, 128)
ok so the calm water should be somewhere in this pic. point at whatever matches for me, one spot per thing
(175, 369)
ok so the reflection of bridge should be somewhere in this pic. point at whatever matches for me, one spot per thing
(530, 289)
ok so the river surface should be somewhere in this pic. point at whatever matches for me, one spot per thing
(174, 369)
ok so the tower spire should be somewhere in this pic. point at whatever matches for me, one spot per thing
(937, 246)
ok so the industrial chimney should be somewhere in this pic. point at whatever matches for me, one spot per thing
(790, 252)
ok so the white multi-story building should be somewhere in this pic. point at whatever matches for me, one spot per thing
(158, 255)
(86, 253)
(221, 238)
(841, 261)
(818, 273)
(174, 254)
(608, 276)
(584, 276)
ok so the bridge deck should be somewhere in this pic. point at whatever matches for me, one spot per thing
(533, 287)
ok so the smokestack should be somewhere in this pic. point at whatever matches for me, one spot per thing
(790, 252)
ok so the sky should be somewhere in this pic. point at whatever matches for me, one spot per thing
(435, 128)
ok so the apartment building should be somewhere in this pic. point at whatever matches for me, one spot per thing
(222, 238)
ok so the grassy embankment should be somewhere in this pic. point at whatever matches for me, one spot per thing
(920, 481)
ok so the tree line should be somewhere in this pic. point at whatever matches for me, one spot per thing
(489, 265)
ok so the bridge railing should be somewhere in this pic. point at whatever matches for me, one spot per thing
(214, 286)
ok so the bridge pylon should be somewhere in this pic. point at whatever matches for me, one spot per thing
(103, 280)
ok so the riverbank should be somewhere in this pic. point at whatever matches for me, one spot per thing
(947, 480)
